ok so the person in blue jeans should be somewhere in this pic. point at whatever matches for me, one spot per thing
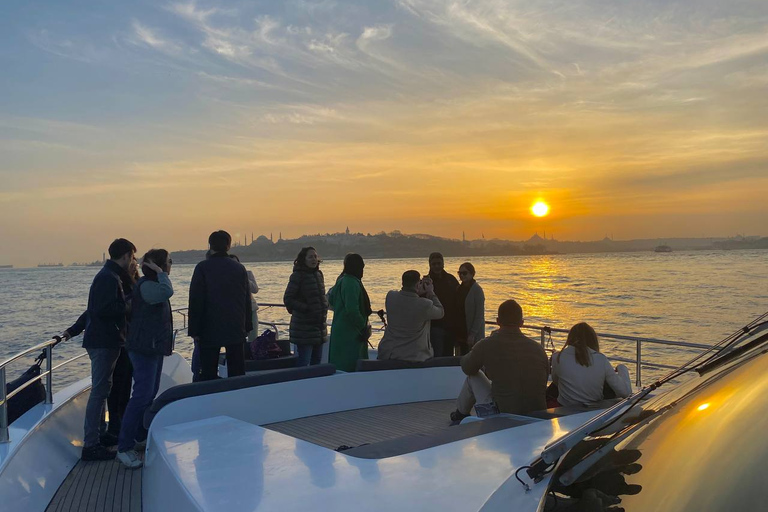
(105, 329)
(305, 300)
(149, 340)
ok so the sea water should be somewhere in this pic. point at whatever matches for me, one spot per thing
(696, 296)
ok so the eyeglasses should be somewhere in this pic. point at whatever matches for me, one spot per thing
(170, 261)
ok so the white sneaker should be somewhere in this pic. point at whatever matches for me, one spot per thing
(130, 459)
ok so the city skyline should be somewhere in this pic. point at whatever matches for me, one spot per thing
(161, 122)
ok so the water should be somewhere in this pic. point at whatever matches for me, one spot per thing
(694, 296)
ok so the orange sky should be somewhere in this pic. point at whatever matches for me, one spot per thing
(168, 121)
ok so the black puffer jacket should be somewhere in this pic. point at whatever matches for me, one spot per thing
(306, 302)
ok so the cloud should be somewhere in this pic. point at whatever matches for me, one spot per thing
(77, 48)
(149, 37)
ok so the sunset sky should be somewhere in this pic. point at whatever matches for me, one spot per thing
(162, 121)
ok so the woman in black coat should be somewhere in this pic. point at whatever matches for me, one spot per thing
(306, 302)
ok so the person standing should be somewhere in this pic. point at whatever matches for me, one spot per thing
(406, 337)
(149, 340)
(121, 375)
(443, 330)
(351, 306)
(253, 287)
(105, 329)
(471, 301)
(305, 300)
(220, 309)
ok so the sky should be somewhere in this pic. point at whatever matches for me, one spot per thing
(163, 121)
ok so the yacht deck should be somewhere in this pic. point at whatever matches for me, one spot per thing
(101, 486)
(371, 425)
(107, 486)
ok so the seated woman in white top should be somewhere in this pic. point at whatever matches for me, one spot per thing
(580, 371)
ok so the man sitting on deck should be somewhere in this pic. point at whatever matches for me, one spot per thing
(406, 337)
(515, 369)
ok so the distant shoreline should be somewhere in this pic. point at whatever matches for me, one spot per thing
(187, 257)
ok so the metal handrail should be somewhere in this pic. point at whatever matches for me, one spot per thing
(546, 331)
(639, 340)
(47, 374)
(21, 354)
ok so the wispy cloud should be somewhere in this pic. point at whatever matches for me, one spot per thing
(150, 37)
(77, 48)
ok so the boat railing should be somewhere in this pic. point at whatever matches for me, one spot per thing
(47, 355)
(545, 334)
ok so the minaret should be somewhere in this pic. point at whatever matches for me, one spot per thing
(270, 237)
(347, 232)
(463, 238)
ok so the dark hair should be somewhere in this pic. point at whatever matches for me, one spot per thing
(582, 337)
(435, 256)
(510, 313)
(353, 265)
(411, 278)
(119, 248)
(220, 241)
(159, 257)
(301, 258)
(469, 267)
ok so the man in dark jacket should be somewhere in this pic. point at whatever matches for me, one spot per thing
(220, 308)
(506, 368)
(443, 331)
(104, 336)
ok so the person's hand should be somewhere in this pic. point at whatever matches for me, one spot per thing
(470, 340)
(66, 335)
(429, 286)
(153, 266)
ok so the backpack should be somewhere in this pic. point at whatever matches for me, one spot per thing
(29, 396)
(265, 346)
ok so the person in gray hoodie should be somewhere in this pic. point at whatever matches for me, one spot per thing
(407, 337)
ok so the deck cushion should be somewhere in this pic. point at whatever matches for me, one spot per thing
(233, 383)
(417, 442)
(372, 365)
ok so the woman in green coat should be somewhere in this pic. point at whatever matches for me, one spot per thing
(351, 306)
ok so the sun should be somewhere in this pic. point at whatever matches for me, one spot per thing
(540, 209)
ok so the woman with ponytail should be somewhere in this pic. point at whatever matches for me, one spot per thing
(581, 372)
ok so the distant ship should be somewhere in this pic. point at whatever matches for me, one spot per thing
(663, 248)
(46, 265)
(6, 266)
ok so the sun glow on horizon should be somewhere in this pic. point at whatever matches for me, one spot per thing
(540, 209)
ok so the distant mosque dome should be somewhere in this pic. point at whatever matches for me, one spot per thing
(263, 240)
